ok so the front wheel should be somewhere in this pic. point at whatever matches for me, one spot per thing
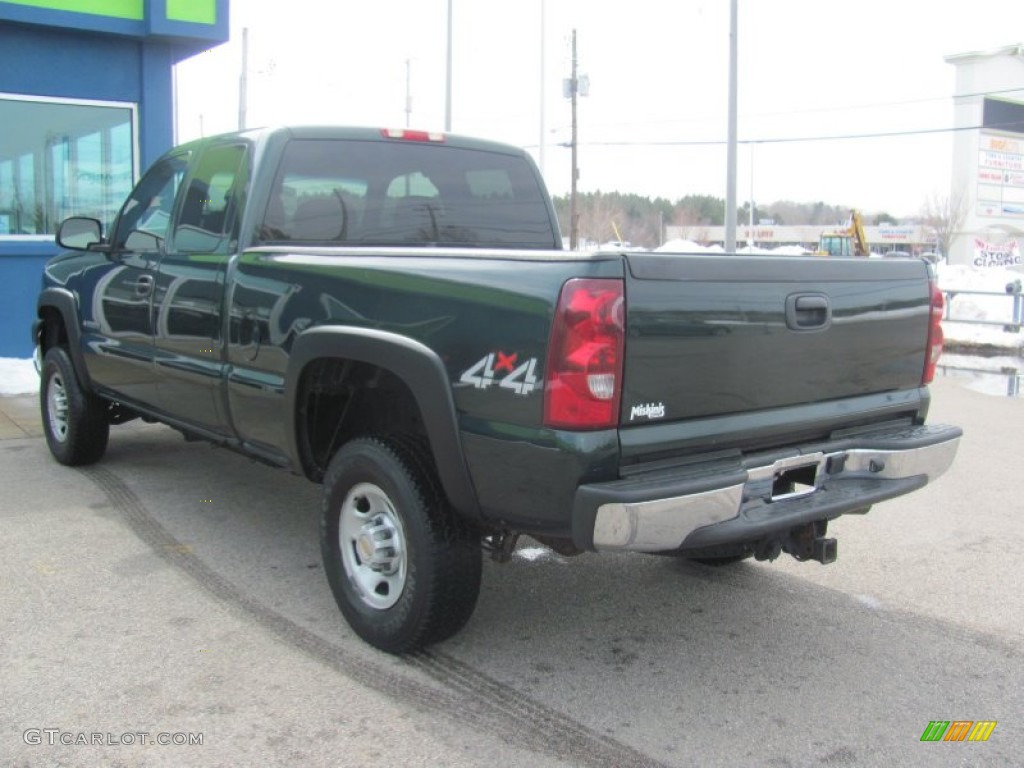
(717, 562)
(74, 421)
(404, 568)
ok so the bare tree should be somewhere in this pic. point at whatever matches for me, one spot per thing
(597, 212)
(944, 215)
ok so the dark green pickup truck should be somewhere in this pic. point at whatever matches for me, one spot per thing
(390, 314)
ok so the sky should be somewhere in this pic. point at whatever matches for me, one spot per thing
(655, 120)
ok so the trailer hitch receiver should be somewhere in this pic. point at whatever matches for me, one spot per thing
(808, 542)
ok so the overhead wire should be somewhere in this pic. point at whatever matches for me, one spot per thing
(812, 110)
(799, 139)
(786, 139)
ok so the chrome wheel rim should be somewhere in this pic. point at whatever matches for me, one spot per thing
(372, 544)
(57, 407)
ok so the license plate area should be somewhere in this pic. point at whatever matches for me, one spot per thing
(788, 478)
(791, 483)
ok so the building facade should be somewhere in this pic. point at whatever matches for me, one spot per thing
(911, 238)
(86, 104)
(988, 157)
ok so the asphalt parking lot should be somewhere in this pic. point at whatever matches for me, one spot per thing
(174, 592)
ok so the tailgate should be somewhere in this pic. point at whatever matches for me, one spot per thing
(715, 335)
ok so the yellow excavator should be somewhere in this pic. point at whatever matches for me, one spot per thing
(850, 241)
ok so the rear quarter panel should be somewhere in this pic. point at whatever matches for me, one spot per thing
(487, 315)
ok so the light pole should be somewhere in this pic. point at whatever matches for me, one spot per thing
(448, 76)
(730, 181)
(243, 80)
(408, 93)
(750, 233)
(543, 77)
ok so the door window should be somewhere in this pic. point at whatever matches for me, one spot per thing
(145, 217)
(207, 222)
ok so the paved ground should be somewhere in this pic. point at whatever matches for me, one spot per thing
(176, 588)
(19, 417)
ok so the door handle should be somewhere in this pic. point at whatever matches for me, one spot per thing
(808, 312)
(811, 303)
(144, 285)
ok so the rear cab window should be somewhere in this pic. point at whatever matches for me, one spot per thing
(358, 192)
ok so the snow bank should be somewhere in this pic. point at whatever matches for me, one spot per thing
(681, 246)
(17, 377)
(999, 308)
(688, 246)
(789, 250)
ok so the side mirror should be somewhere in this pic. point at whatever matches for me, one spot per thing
(79, 233)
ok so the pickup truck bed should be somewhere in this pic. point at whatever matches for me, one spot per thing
(388, 314)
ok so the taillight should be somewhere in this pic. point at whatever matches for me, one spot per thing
(935, 338)
(583, 382)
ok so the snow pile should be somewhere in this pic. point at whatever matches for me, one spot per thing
(789, 250)
(688, 246)
(682, 246)
(999, 308)
(17, 377)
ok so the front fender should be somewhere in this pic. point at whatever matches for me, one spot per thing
(63, 301)
(423, 373)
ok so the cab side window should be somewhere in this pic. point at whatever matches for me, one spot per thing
(145, 217)
(207, 221)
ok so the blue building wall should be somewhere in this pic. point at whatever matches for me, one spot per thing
(59, 54)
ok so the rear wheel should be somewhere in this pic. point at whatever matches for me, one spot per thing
(404, 568)
(720, 555)
(74, 421)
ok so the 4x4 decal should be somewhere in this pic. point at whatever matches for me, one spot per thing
(518, 378)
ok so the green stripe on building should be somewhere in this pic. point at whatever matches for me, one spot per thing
(118, 9)
(193, 11)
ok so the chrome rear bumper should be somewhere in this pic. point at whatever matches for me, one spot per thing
(742, 503)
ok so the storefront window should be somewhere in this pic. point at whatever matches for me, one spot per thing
(60, 159)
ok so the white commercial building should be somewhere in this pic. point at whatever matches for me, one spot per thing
(911, 238)
(988, 157)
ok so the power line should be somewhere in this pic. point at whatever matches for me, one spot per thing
(809, 110)
(897, 103)
(785, 140)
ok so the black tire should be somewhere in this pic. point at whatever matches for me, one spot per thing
(720, 561)
(404, 568)
(74, 421)
(717, 556)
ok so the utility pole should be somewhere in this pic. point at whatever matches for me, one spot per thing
(574, 223)
(243, 80)
(730, 181)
